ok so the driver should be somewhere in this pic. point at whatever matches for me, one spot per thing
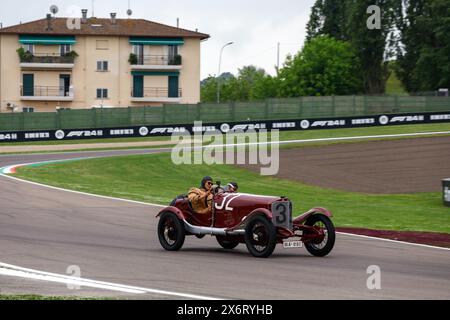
(201, 198)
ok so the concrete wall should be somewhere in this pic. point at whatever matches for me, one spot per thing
(10, 72)
(190, 72)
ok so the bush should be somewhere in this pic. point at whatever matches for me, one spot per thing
(25, 56)
(133, 59)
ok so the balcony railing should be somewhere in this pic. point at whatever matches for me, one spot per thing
(157, 60)
(47, 58)
(45, 91)
(154, 92)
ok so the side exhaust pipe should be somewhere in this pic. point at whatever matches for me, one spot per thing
(195, 230)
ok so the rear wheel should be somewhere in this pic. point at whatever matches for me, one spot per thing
(171, 232)
(322, 246)
(227, 242)
(260, 236)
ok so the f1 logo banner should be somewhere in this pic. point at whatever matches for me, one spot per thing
(225, 127)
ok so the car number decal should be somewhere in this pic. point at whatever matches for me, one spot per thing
(281, 214)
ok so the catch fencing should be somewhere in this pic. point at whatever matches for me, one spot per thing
(270, 109)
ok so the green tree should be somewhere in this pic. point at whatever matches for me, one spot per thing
(251, 83)
(208, 89)
(325, 66)
(328, 17)
(347, 20)
(424, 53)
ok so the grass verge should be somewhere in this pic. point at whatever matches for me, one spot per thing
(154, 179)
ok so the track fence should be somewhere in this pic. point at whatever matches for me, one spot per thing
(270, 109)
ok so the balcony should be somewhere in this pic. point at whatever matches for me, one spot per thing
(47, 61)
(154, 94)
(155, 62)
(46, 93)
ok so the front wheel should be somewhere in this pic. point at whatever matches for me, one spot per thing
(171, 232)
(260, 236)
(321, 246)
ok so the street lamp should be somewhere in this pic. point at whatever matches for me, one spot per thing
(218, 75)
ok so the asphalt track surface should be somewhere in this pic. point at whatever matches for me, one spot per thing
(115, 241)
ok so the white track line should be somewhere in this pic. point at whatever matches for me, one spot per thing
(162, 206)
(34, 274)
(166, 149)
(395, 241)
(15, 271)
(82, 193)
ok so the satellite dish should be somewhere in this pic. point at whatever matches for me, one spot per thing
(129, 12)
(54, 9)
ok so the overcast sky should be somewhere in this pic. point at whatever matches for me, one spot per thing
(254, 25)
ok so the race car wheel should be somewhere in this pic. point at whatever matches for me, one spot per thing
(227, 242)
(171, 232)
(260, 236)
(323, 245)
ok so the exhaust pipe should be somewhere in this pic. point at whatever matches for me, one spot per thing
(195, 230)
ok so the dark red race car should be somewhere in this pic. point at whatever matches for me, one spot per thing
(261, 222)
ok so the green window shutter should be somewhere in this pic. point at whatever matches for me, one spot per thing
(173, 87)
(28, 85)
(138, 86)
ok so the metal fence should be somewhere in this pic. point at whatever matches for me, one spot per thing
(271, 109)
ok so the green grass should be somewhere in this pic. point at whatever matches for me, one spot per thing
(369, 131)
(394, 86)
(163, 146)
(86, 141)
(154, 179)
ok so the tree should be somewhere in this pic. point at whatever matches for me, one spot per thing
(208, 89)
(325, 66)
(347, 20)
(424, 53)
(251, 83)
(328, 17)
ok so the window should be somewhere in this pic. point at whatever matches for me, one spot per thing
(173, 51)
(29, 48)
(102, 44)
(102, 65)
(102, 93)
(28, 109)
(64, 49)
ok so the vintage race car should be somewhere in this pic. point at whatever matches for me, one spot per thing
(261, 222)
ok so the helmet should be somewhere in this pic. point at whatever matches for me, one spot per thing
(233, 185)
(204, 180)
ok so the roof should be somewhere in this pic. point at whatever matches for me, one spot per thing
(103, 27)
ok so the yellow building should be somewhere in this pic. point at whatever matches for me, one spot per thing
(56, 63)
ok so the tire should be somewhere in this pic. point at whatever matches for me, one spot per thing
(171, 233)
(227, 242)
(326, 245)
(260, 236)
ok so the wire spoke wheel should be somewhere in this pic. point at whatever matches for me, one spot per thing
(324, 242)
(171, 233)
(260, 236)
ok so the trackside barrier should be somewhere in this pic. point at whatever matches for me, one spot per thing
(446, 192)
(282, 125)
(270, 109)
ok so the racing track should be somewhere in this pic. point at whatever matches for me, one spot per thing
(115, 241)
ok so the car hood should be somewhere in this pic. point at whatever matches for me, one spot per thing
(253, 198)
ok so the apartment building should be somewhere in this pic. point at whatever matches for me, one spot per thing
(56, 63)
